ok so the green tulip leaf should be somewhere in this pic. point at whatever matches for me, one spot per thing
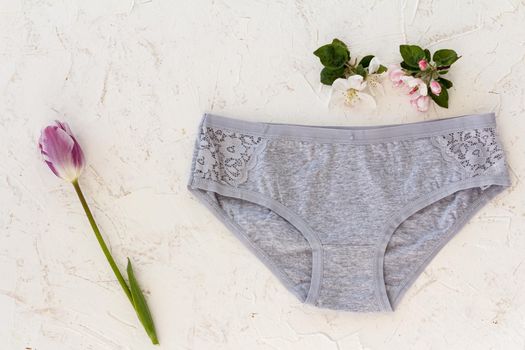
(141, 307)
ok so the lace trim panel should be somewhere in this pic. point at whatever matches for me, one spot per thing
(226, 156)
(477, 150)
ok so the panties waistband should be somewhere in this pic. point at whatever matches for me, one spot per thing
(353, 134)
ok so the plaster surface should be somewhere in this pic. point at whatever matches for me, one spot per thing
(133, 78)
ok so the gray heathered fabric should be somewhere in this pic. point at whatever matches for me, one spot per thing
(347, 217)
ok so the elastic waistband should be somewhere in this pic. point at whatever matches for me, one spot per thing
(352, 134)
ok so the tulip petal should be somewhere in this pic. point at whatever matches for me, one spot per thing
(57, 146)
(78, 155)
(64, 126)
(52, 167)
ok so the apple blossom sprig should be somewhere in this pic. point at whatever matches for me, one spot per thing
(349, 78)
(64, 156)
(421, 75)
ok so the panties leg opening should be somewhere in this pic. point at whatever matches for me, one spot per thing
(278, 237)
(420, 230)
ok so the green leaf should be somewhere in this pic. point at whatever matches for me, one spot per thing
(141, 307)
(445, 82)
(338, 42)
(381, 69)
(442, 99)
(333, 55)
(329, 75)
(360, 70)
(445, 57)
(427, 55)
(365, 61)
(411, 54)
(406, 66)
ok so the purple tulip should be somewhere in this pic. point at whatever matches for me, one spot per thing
(63, 155)
(61, 151)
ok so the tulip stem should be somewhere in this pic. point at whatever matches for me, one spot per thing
(103, 245)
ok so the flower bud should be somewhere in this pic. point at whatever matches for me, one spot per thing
(423, 64)
(435, 87)
(61, 151)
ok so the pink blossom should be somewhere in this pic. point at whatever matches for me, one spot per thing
(418, 94)
(435, 87)
(423, 64)
(396, 74)
(421, 103)
(416, 85)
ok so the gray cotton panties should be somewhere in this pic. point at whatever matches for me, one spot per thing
(347, 217)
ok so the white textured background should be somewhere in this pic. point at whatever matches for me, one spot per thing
(133, 78)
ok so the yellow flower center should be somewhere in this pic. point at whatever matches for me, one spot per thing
(351, 96)
(373, 80)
